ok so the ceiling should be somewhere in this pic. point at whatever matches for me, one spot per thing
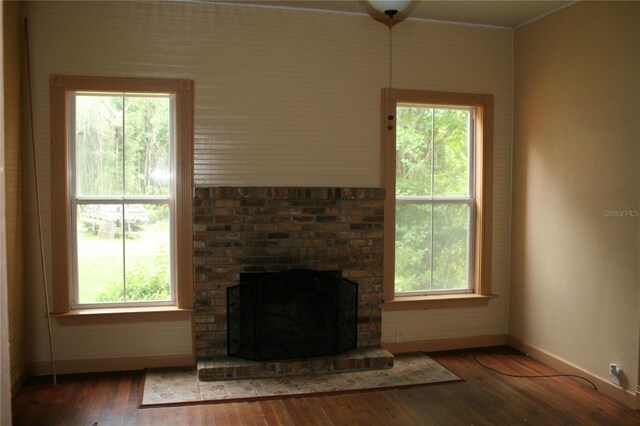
(508, 14)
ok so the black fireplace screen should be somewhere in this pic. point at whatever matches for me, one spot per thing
(291, 314)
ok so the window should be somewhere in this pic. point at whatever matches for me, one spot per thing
(121, 192)
(437, 175)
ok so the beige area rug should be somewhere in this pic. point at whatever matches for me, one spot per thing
(166, 387)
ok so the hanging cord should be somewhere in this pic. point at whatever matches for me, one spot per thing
(390, 52)
(390, 111)
(517, 376)
(39, 213)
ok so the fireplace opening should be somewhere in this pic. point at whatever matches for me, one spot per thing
(295, 313)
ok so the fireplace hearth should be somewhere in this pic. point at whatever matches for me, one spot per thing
(296, 313)
(240, 230)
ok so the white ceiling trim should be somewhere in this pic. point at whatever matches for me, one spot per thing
(564, 6)
(272, 6)
(466, 24)
(341, 12)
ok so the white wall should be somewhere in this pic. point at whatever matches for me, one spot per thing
(470, 59)
(282, 98)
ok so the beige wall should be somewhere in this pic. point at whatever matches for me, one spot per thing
(14, 142)
(575, 268)
(282, 98)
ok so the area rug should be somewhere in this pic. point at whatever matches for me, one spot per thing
(170, 387)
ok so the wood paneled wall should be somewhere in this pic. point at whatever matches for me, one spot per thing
(14, 150)
(282, 98)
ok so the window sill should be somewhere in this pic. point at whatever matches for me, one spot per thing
(412, 303)
(123, 315)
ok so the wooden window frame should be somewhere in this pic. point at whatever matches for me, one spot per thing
(60, 86)
(481, 286)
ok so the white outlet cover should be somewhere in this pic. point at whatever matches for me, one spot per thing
(615, 380)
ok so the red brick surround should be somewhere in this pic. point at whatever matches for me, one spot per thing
(242, 229)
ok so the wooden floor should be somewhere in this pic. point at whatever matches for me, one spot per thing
(485, 398)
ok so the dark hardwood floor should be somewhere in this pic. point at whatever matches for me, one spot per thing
(485, 398)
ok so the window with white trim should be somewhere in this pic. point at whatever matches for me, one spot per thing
(434, 199)
(122, 156)
(122, 188)
(437, 176)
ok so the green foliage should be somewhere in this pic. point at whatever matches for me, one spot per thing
(157, 212)
(432, 152)
(432, 159)
(147, 150)
(413, 247)
(144, 282)
(122, 139)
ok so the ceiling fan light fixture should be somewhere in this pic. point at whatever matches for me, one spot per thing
(390, 7)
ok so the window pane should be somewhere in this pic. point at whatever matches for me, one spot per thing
(413, 248)
(450, 256)
(414, 131)
(145, 248)
(98, 145)
(99, 250)
(451, 160)
(147, 133)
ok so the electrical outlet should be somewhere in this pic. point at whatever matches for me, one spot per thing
(615, 372)
(399, 336)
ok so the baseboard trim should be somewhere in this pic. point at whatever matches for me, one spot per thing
(565, 367)
(72, 366)
(19, 381)
(435, 345)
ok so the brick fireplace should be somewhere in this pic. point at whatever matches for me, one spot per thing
(269, 229)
